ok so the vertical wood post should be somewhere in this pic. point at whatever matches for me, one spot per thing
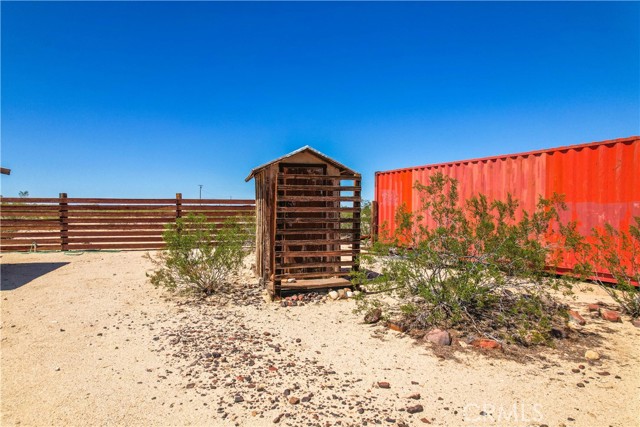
(63, 211)
(356, 224)
(178, 205)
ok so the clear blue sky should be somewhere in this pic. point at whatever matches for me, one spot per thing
(149, 99)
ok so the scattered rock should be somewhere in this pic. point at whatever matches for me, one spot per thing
(342, 294)
(384, 384)
(191, 385)
(294, 400)
(396, 327)
(425, 420)
(591, 355)
(593, 307)
(291, 280)
(414, 396)
(438, 336)
(559, 333)
(238, 398)
(333, 295)
(611, 316)
(373, 316)
(580, 385)
(486, 343)
(415, 409)
(603, 373)
(276, 420)
(575, 317)
(349, 294)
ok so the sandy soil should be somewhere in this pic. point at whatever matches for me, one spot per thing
(86, 340)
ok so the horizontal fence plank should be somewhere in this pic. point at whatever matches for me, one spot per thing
(28, 208)
(29, 200)
(29, 240)
(118, 246)
(92, 239)
(127, 220)
(25, 248)
(20, 233)
(35, 223)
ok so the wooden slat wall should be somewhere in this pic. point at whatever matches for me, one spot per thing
(313, 236)
(98, 223)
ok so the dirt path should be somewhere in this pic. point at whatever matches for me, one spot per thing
(87, 341)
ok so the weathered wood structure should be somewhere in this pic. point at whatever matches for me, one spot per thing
(307, 221)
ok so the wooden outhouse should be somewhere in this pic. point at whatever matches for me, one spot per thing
(308, 221)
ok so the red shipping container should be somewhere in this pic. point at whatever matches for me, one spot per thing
(600, 182)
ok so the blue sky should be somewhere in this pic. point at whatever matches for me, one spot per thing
(129, 99)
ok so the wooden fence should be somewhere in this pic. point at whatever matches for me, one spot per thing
(35, 224)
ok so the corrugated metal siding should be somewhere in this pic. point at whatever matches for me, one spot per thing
(600, 181)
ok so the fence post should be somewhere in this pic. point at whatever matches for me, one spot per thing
(64, 222)
(178, 205)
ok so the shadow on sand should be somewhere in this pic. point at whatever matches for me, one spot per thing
(17, 275)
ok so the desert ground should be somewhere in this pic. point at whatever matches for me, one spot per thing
(87, 340)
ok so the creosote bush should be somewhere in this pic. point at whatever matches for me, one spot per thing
(199, 257)
(615, 251)
(475, 266)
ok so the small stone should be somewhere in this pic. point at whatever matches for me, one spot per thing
(373, 316)
(580, 385)
(349, 294)
(396, 327)
(603, 373)
(191, 385)
(276, 420)
(486, 343)
(57, 369)
(294, 400)
(575, 317)
(591, 355)
(611, 316)
(438, 336)
(384, 384)
(238, 398)
(333, 295)
(425, 420)
(342, 294)
(575, 370)
(414, 396)
(636, 323)
(291, 280)
(415, 409)
(260, 387)
(593, 307)
(559, 333)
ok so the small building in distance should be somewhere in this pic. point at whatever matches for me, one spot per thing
(307, 221)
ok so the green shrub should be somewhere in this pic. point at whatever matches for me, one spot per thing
(199, 257)
(477, 267)
(618, 251)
